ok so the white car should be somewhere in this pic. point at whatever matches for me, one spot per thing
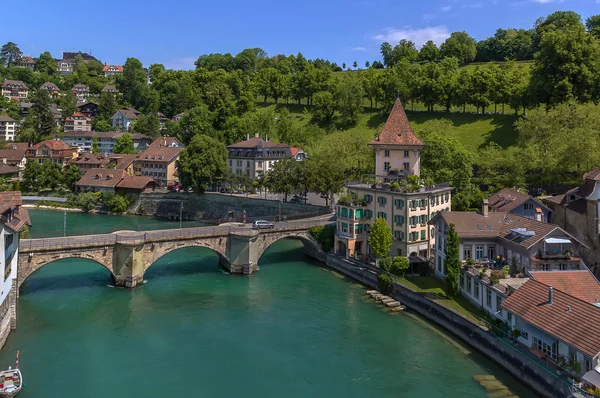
(262, 224)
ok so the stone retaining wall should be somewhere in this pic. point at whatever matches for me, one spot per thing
(518, 364)
(213, 207)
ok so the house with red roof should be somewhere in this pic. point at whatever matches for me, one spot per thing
(55, 151)
(112, 70)
(15, 90)
(159, 161)
(559, 326)
(78, 122)
(510, 200)
(114, 180)
(405, 206)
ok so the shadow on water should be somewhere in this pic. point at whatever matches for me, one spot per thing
(184, 261)
(287, 250)
(70, 273)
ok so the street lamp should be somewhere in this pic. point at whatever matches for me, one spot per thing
(65, 224)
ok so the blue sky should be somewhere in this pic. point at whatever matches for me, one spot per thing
(176, 32)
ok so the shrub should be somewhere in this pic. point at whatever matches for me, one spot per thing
(386, 263)
(324, 234)
(385, 284)
(85, 201)
(400, 266)
(25, 233)
(116, 203)
(506, 270)
(516, 333)
(496, 275)
(395, 186)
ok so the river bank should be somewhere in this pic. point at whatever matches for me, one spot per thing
(503, 353)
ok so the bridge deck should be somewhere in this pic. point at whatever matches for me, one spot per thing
(133, 237)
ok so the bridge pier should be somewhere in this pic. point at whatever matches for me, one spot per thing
(242, 253)
(128, 263)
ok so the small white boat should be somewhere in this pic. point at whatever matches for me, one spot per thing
(11, 382)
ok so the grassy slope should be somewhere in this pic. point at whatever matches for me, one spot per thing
(473, 131)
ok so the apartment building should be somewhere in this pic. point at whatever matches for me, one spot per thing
(123, 118)
(51, 88)
(405, 204)
(254, 157)
(83, 140)
(15, 90)
(25, 62)
(159, 161)
(78, 122)
(8, 128)
(56, 151)
(81, 91)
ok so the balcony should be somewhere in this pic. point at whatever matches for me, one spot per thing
(394, 183)
(555, 253)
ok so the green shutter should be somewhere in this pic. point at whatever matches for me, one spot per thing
(401, 219)
(423, 234)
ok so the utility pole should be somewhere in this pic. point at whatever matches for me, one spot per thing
(180, 214)
(279, 209)
(65, 224)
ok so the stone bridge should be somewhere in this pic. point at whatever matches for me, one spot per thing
(127, 255)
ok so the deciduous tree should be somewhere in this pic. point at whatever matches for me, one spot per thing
(452, 261)
(380, 238)
(203, 161)
(124, 145)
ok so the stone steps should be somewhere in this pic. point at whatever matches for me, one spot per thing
(389, 302)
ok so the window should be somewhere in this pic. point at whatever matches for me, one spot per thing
(462, 280)
(479, 252)
(437, 200)
(477, 290)
(405, 166)
(528, 206)
(562, 267)
(509, 317)
(488, 298)
(382, 214)
(498, 302)
(439, 264)
(545, 267)
(469, 284)
(399, 235)
(382, 200)
(588, 365)
(549, 350)
(423, 234)
(406, 154)
(386, 166)
(386, 154)
(247, 163)
(259, 163)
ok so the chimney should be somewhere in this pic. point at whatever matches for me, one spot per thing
(484, 209)
(550, 295)
(247, 136)
(538, 214)
(256, 135)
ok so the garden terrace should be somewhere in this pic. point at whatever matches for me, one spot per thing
(495, 278)
(396, 187)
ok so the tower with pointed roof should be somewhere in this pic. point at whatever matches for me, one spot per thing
(406, 208)
(396, 146)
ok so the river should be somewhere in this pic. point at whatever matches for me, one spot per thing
(293, 329)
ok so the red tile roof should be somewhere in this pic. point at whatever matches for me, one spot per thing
(137, 182)
(508, 199)
(7, 83)
(397, 130)
(165, 142)
(6, 118)
(294, 150)
(569, 319)
(12, 201)
(102, 178)
(12, 155)
(117, 67)
(55, 145)
(581, 284)
(160, 154)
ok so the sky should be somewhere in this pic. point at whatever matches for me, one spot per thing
(176, 32)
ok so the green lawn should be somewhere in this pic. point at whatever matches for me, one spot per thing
(430, 284)
(473, 131)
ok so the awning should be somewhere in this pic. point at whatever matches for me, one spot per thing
(557, 240)
(592, 377)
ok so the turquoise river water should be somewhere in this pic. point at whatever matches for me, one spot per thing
(294, 329)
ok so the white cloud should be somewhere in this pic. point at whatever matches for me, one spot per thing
(359, 49)
(427, 17)
(180, 63)
(448, 8)
(419, 36)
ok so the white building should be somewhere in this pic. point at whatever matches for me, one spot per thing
(8, 128)
(106, 140)
(254, 157)
(122, 119)
(13, 218)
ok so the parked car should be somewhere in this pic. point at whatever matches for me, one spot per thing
(175, 188)
(262, 224)
(295, 199)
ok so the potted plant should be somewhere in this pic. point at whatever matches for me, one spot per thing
(516, 333)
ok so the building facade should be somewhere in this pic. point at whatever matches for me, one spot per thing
(13, 218)
(51, 88)
(25, 62)
(394, 194)
(81, 91)
(123, 118)
(254, 157)
(78, 122)
(8, 128)
(511, 201)
(83, 140)
(159, 161)
(112, 70)
(15, 90)
(55, 151)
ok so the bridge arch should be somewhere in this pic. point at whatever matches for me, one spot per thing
(156, 251)
(29, 264)
(265, 241)
(223, 262)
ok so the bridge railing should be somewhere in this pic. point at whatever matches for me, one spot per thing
(160, 235)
